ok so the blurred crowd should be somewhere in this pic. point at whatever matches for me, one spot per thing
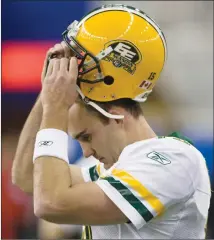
(182, 101)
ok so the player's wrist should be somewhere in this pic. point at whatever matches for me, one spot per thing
(54, 110)
(51, 142)
(54, 118)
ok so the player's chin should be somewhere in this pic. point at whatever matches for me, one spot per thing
(102, 160)
(107, 165)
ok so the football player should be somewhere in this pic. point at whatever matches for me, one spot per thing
(144, 186)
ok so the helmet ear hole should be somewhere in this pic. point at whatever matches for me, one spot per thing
(108, 80)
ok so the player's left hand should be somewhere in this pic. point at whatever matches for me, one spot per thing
(59, 85)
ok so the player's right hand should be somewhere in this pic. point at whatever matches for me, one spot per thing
(59, 50)
(59, 86)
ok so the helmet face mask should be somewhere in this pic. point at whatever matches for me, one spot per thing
(121, 53)
(87, 62)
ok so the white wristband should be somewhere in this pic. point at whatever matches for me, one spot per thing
(51, 142)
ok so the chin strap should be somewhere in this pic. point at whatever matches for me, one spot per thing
(98, 108)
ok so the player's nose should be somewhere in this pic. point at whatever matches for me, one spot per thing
(87, 151)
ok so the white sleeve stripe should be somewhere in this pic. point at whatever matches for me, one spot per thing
(85, 174)
(130, 212)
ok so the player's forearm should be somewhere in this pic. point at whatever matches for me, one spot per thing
(51, 175)
(22, 170)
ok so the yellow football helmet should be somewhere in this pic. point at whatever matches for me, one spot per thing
(121, 54)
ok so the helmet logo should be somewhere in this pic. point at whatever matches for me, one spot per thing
(123, 54)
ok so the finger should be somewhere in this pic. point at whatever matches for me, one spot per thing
(58, 51)
(56, 65)
(64, 64)
(73, 69)
(50, 68)
(45, 65)
(67, 50)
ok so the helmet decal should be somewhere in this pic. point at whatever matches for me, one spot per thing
(125, 54)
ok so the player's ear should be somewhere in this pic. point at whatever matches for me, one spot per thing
(117, 111)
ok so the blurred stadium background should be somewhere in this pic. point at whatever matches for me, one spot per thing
(182, 100)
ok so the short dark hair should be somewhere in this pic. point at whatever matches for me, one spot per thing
(131, 106)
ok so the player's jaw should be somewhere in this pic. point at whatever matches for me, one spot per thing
(107, 155)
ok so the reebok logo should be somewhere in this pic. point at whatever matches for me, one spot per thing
(158, 158)
(45, 143)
